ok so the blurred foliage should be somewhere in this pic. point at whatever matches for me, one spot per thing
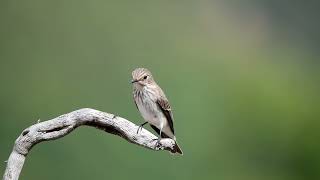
(242, 77)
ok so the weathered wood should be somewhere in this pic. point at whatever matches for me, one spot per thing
(64, 124)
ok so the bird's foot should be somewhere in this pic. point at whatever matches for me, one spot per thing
(158, 142)
(140, 127)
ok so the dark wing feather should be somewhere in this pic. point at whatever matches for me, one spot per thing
(163, 135)
(164, 105)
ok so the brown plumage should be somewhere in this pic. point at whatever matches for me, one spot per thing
(153, 104)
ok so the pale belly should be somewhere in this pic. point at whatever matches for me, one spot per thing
(153, 115)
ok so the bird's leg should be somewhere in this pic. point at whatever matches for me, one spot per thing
(161, 126)
(140, 127)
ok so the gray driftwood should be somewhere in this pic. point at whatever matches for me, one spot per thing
(64, 124)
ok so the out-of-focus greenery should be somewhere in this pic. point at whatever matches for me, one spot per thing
(242, 78)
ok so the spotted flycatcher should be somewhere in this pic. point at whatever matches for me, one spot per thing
(153, 105)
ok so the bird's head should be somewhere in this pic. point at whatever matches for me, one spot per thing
(141, 77)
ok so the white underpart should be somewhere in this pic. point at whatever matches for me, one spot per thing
(152, 113)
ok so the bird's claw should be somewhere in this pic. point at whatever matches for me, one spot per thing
(139, 129)
(158, 141)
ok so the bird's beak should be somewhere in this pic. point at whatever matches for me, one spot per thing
(134, 81)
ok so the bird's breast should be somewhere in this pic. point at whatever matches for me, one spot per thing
(149, 109)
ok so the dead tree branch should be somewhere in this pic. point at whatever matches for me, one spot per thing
(64, 124)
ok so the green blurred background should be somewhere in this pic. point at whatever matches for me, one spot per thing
(242, 78)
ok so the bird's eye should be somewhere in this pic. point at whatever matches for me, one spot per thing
(145, 77)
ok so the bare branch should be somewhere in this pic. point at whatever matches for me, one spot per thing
(64, 124)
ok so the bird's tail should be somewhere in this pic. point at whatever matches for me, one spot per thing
(177, 149)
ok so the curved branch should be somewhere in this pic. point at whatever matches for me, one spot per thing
(64, 124)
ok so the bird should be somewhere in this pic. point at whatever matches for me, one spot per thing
(153, 105)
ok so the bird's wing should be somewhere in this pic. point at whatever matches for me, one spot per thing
(163, 135)
(164, 105)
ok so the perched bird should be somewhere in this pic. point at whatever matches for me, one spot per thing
(153, 105)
